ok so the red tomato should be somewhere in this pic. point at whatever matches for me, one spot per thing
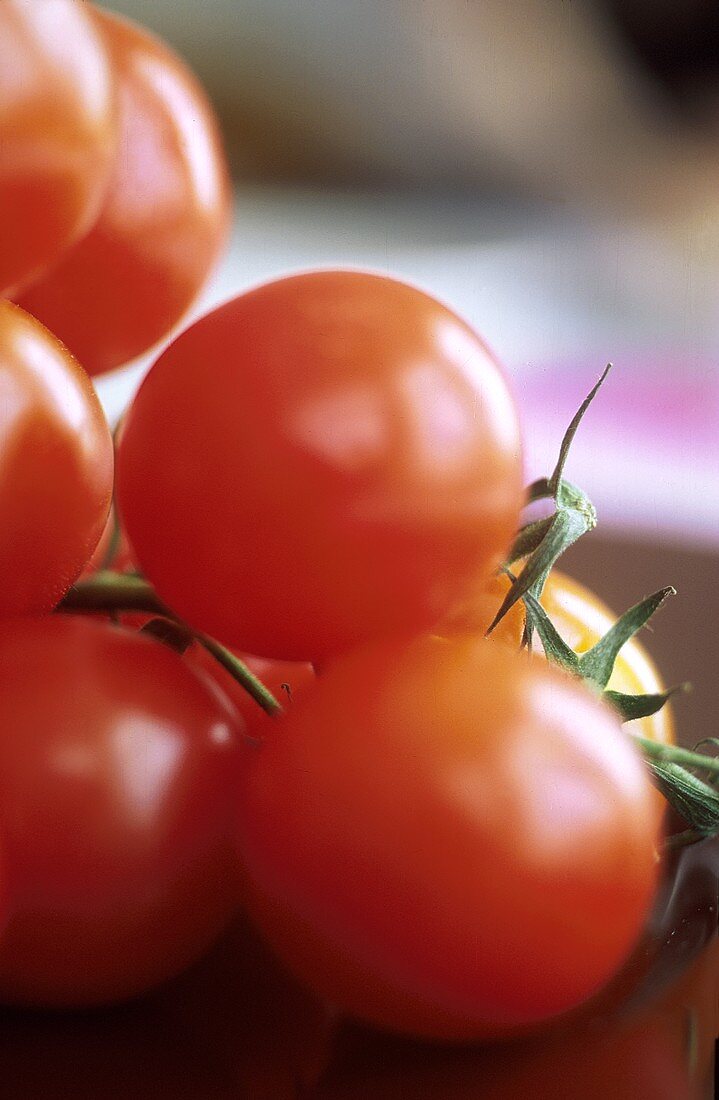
(56, 466)
(335, 452)
(57, 132)
(648, 1061)
(165, 216)
(582, 619)
(287, 680)
(117, 773)
(118, 557)
(448, 838)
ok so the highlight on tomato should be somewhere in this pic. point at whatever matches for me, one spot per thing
(56, 466)
(349, 443)
(57, 132)
(117, 788)
(449, 839)
(164, 218)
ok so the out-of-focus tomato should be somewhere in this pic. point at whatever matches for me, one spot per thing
(286, 680)
(448, 838)
(164, 219)
(56, 466)
(648, 1061)
(113, 551)
(57, 132)
(117, 776)
(335, 452)
(234, 1025)
(582, 619)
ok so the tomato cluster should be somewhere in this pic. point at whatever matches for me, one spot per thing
(436, 831)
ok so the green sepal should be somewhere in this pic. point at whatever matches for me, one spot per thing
(597, 663)
(563, 529)
(555, 480)
(545, 540)
(555, 648)
(529, 538)
(695, 800)
(631, 707)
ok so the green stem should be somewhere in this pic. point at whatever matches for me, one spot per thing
(240, 672)
(674, 754)
(116, 592)
(108, 591)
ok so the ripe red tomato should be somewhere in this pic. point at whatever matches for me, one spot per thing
(582, 619)
(164, 219)
(57, 132)
(335, 452)
(448, 838)
(56, 466)
(118, 557)
(117, 776)
(286, 680)
(647, 1061)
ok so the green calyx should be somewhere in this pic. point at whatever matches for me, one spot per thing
(539, 544)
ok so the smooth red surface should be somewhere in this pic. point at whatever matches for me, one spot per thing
(56, 466)
(164, 218)
(57, 132)
(117, 774)
(449, 839)
(334, 452)
(286, 680)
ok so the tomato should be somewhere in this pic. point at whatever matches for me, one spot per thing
(117, 775)
(448, 838)
(57, 132)
(335, 452)
(113, 551)
(647, 1061)
(286, 680)
(582, 619)
(164, 219)
(234, 1025)
(56, 466)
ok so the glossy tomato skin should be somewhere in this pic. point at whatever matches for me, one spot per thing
(449, 839)
(581, 619)
(164, 218)
(286, 680)
(117, 772)
(335, 452)
(57, 132)
(56, 466)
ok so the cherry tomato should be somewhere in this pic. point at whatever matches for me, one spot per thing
(648, 1061)
(582, 619)
(117, 773)
(57, 132)
(113, 551)
(165, 216)
(448, 838)
(56, 466)
(286, 680)
(335, 452)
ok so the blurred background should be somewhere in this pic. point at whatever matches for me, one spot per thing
(551, 169)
